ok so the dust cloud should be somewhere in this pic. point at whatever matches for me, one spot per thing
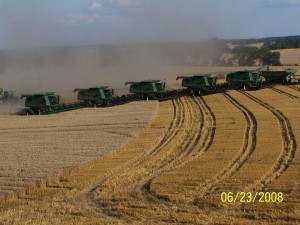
(61, 69)
(29, 67)
(66, 68)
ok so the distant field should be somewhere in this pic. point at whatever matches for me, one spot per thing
(289, 56)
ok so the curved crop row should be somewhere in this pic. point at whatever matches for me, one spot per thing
(294, 87)
(247, 149)
(283, 93)
(288, 148)
(202, 144)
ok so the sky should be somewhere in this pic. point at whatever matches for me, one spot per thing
(44, 23)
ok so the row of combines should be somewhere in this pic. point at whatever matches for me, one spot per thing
(99, 96)
(102, 96)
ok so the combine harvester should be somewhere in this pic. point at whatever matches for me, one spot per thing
(8, 97)
(154, 90)
(279, 76)
(202, 84)
(245, 79)
(47, 103)
(101, 96)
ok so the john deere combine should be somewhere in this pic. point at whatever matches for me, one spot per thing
(8, 97)
(47, 103)
(279, 76)
(154, 90)
(201, 84)
(101, 96)
(246, 79)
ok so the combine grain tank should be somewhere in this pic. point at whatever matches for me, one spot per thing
(246, 79)
(201, 84)
(101, 96)
(154, 90)
(94, 96)
(47, 103)
(279, 76)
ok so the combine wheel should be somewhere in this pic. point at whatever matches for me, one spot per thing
(29, 112)
(246, 87)
(259, 86)
(284, 82)
(197, 92)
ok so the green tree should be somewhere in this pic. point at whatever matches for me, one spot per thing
(249, 56)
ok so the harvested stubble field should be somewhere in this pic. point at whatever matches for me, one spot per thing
(175, 170)
(289, 56)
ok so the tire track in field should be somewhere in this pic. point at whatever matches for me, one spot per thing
(188, 145)
(289, 144)
(283, 93)
(246, 151)
(86, 197)
(293, 87)
(173, 129)
(203, 142)
(178, 147)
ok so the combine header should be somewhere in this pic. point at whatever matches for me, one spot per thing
(201, 84)
(101, 96)
(47, 103)
(8, 97)
(279, 76)
(246, 79)
(154, 90)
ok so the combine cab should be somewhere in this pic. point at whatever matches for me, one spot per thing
(201, 84)
(277, 76)
(247, 80)
(47, 103)
(101, 96)
(153, 90)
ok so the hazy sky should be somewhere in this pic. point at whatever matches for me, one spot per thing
(36, 23)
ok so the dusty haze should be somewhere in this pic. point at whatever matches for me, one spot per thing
(65, 68)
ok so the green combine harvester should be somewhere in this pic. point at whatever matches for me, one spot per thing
(279, 76)
(101, 96)
(47, 103)
(8, 97)
(246, 79)
(201, 84)
(154, 90)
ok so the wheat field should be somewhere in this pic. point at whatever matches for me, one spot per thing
(289, 56)
(38, 147)
(182, 154)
